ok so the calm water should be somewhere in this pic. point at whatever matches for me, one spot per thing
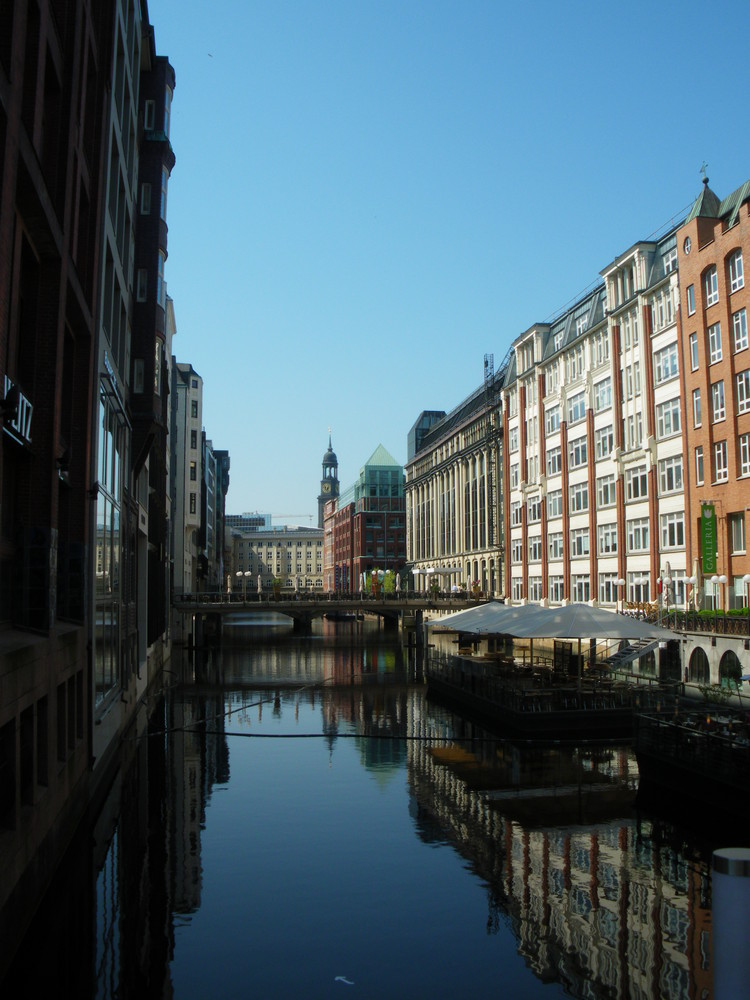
(296, 819)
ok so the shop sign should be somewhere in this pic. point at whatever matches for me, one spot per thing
(708, 538)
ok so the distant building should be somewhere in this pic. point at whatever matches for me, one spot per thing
(367, 524)
(293, 555)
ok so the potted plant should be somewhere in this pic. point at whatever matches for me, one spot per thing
(276, 583)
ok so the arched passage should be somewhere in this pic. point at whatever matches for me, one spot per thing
(699, 672)
(730, 671)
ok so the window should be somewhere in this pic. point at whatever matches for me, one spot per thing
(744, 443)
(673, 530)
(606, 493)
(607, 588)
(192, 503)
(148, 115)
(736, 273)
(737, 533)
(581, 588)
(514, 476)
(637, 531)
(535, 588)
(163, 201)
(668, 418)
(167, 109)
(690, 299)
(604, 440)
(194, 408)
(670, 260)
(574, 363)
(718, 409)
(161, 288)
(607, 539)
(516, 550)
(535, 510)
(554, 503)
(577, 407)
(577, 453)
(634, 430)
(665, 364)
(638, 588)
(579, 498)
(552, 416)
(513, 439)
(193, 472)
(145, 199)
(600, 348)
(193, 439)
(579, 542)
(743, 392)
(699, 466)
(721, 469)
(516, 588)
(694, 351)
(535, 548)
(603, 394)
(714, 343)
(696, 407)
(515, 514)
(670, 475)
(739, 330)
(138, 375)
(141, 287)
(555, 545)
(711, 286)
(552, 377)
(554, 461)
(556, 589)
(636, 483)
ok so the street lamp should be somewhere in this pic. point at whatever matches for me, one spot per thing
(248, 574)
(620, 584)
(239, 576)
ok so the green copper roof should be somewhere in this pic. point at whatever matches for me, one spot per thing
(707, 204)
(380, 457)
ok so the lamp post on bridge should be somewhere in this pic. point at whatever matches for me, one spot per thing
(621, 601)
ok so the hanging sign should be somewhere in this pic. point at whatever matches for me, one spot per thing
(708, 538)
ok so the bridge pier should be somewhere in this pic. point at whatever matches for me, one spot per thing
(302, 626)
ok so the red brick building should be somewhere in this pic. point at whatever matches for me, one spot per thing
(366, 528)
(713, 244)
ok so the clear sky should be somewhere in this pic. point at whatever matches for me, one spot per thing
(371, 195)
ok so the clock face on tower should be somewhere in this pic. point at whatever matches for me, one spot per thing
(325, 488)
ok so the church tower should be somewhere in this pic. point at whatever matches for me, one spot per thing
(329, 482)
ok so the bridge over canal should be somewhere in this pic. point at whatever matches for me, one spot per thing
(405, 609)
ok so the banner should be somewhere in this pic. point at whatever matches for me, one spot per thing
(708, 538)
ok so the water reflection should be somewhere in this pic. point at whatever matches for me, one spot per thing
(247, 774)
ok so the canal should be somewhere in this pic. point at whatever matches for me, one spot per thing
(294, 818)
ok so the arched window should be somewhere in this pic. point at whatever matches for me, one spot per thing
(730, 672)
(699, 672)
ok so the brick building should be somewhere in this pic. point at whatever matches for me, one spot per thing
(365, 528)
(712, 244)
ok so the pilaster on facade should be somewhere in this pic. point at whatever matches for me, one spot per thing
(449, 523)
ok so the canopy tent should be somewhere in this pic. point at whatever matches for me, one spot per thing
(530, 621)
(489, 619)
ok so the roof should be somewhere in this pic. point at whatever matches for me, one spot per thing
(707, 204)
(381, 457)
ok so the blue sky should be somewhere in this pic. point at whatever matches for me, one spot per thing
(371, 196)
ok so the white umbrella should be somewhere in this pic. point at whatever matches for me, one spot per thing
(260, 583)
(398, 582)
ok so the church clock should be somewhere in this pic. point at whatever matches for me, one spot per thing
(329, 482)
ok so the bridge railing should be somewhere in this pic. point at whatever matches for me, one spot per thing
(317, 597)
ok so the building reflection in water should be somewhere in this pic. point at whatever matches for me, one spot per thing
(594, 896)
(604, 903)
